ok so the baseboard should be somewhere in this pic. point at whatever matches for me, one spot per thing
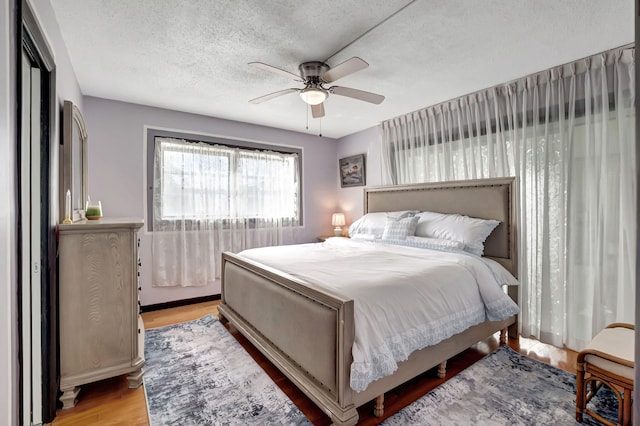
(181, 302)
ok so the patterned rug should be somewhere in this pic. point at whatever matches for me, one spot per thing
(504, 388)
(196, 373)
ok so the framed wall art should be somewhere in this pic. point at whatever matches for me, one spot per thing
(352, 171)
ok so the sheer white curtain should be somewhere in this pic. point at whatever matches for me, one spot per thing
(210, 198)
(568, 136)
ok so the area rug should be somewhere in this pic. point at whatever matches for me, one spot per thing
(196, 373)
(504, 388)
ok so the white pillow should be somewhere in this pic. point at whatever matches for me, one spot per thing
(373, 223)
(399, 229)
(469, 230)
(503, 276)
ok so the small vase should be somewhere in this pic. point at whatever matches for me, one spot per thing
(93, 210)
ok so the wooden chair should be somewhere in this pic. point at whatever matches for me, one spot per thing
(607, 359)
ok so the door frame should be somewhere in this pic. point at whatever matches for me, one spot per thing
(31, 39)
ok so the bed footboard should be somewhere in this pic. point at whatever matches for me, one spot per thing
(308, 333)
(302, 330)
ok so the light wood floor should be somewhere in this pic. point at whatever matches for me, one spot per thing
(111, 402)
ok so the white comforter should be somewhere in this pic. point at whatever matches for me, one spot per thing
(404, 298)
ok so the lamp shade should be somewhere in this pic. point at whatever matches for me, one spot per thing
(313, 95)
(338, 219)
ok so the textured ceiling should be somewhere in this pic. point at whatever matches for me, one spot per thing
(192, 55)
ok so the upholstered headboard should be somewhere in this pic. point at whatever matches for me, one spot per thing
(482, 198)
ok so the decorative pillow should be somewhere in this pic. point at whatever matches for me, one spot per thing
(399, 229)
(374, 223)
(469, 230)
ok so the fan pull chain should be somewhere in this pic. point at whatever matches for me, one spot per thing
(320, 119)
(307, 115)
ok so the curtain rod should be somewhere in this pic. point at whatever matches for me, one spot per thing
(514, 81)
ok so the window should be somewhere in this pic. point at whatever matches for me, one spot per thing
(213, 180)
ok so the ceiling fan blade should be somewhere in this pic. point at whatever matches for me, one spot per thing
(272, 95)
(341, 70)
(317, 111)
(275, 70)
(357, 94)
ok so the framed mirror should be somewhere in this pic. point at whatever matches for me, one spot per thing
(73, 163)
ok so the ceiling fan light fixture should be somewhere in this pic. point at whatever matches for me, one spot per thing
(313, 95)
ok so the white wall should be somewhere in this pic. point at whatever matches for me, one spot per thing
(8, 246)
(117, 161)
(351, 200)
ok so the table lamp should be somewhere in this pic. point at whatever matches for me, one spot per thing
(338, 221)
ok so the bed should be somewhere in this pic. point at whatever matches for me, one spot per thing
(268, 306)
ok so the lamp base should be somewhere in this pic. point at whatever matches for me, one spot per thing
(337, 231)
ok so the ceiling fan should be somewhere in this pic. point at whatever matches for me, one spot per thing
(315, 75)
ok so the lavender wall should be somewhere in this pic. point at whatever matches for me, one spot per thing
(351, 200)
(66, 88)
(117, 163)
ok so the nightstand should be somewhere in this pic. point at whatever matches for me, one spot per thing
(323, 238)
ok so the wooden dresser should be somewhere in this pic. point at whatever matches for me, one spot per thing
(101, 332)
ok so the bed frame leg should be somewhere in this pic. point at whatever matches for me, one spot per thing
(378, 409)
(513, 331)
(442, 369)
(223, 320)
(503, 336)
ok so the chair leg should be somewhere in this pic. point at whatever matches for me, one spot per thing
(580, 392)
